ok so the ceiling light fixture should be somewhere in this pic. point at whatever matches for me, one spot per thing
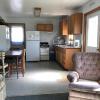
(37, 11)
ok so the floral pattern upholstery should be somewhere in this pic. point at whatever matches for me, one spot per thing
(87, 65)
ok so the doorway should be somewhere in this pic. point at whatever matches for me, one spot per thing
(92, 32)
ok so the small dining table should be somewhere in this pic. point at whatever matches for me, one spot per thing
(16, 54)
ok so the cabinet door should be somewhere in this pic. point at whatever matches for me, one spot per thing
(63, 26)
(64, 58)
(40, 27)
(60, 27)
(76, 23)
(69, 55)
(72, 21)
(69, 63)
(60, 56)
(45, 27)
(49, 27)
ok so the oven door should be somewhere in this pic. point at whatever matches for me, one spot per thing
(44, 51)
(44, 57)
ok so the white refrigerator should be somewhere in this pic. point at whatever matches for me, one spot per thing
(32, 46)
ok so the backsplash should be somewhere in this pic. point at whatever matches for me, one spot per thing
(78, 37)
(59, 40)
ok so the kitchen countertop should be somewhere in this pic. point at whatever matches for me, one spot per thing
(65, 46)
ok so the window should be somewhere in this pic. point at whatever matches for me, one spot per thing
(92, 31)
(17, 35)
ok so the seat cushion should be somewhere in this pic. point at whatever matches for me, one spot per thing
(85, 85)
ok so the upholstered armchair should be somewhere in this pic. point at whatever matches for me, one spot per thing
(2, 88)
(85, 79)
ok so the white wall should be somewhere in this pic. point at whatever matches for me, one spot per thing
(4, 17)
(32, 22)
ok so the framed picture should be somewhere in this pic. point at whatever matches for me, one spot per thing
(77, 43)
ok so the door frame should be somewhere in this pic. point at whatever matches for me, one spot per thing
(85, 24)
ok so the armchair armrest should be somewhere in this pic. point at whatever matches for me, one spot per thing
(73, 76)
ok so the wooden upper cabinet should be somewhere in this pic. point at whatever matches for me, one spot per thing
(63, 26)
(45, 27)
(76, 23)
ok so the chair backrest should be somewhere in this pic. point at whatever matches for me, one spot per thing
(87, 65)
(2, 57)
(23, 59)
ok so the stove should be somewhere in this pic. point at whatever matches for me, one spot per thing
(44, 44)
(44, 51)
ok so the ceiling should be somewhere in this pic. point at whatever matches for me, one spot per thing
(22, 8)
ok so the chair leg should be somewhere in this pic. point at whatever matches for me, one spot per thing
(9, 74)
(10, 69)
(22, 70)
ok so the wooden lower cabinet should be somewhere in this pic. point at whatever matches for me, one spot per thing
(64, 56)
(68, 57)
(59, 55)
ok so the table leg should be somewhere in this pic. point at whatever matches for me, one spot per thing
(17, 66)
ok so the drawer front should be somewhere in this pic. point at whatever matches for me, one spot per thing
(44, 57)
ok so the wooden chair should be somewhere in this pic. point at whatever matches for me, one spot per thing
(3, 66)
(11, 64)
(21, 64)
